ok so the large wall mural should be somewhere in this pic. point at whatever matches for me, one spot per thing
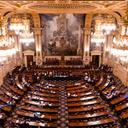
(62, 34)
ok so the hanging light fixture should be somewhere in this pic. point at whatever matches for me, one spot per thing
(6, 41)
(108, 25)
(16, 24)
(124, 30)
(26, 37)
(121, 40)
(120, 43)
(98, 37)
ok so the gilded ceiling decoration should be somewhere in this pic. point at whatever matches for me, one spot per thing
(72, 6)
(62, 6)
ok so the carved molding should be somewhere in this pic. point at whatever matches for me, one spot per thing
(42, 6)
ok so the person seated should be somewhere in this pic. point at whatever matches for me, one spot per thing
(24, 124)
(37, 115)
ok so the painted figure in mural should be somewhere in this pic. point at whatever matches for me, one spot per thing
(62, 42)
(50, 46)
(57, 42)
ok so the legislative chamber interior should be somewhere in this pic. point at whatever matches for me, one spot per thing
(64, 64)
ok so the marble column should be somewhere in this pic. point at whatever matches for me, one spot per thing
(38, 45)
(86, 58)
(107, 49)
(79, 40)
(86, 49)
(19, 54)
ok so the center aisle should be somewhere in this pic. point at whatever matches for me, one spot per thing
(63, 109)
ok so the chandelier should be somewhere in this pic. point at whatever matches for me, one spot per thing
(122, 38)
(26, 36)
(16, 24)
(121, 56)
(6, 41)
(108, 25)
(98, 37)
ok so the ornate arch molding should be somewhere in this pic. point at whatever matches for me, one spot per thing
(117, 16)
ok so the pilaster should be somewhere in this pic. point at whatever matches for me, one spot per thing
(86, 51)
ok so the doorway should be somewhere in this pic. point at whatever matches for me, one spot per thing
(96, 60)
(29, 60)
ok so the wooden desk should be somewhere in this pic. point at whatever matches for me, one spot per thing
(81, 99)
(91, 123)
(4, 98)
(109, 89)
(34, 123)
(83, 109)
(81, 94)
(43, 90)
(41, 98)
(44, 94)
(31, 114)
(69, 85)
(5, 108)
(124, 115)
(101, 80)
(20, 86)
(102, 87)
(84, 103)
(118, 99)
(47, 87)
(92, 115)
(121, 107)
(77, 87)
(40, 109)
(9, 94)
(41, 104)
(8, 89)
(17, 91)
(80, 91)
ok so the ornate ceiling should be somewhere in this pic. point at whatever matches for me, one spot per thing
(63, 6)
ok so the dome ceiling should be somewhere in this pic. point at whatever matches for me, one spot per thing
(63, 6)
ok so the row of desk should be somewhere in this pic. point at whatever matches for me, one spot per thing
(119, 96)
(40, 105)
